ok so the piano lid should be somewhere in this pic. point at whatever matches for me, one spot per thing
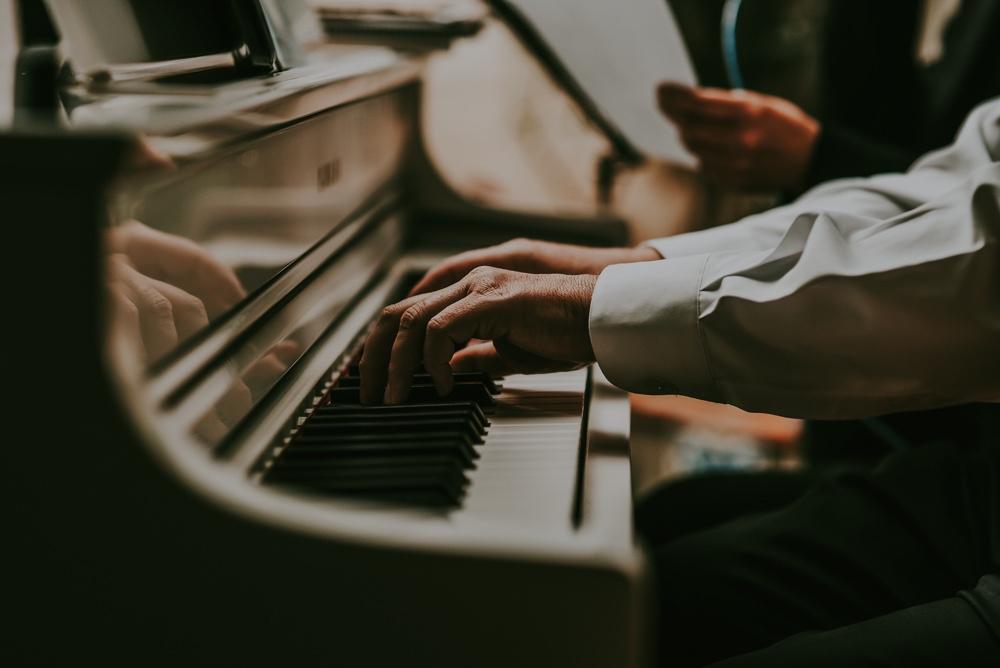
(610, 57)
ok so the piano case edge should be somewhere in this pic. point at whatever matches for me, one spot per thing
(116, 559)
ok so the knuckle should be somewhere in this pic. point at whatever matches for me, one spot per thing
(754, 110)
(387, 315)
(192, 306)
(485, 279)
(410, 317)
(480, 272)
(437, 325)
(128, 309)
(519, 245)
(159, 305)
(750, 140)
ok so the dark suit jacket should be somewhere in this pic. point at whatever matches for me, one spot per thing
(881, 109)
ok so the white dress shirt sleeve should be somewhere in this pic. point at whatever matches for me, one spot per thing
(864, 297)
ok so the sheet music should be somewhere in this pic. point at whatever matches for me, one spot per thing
(619, 51)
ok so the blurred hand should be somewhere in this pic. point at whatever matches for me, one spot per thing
(180, 262)
(528, 322)
(533, 257)
(742, 138)
(157, 315)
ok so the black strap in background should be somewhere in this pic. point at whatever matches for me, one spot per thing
(35, 25)
(36, 98)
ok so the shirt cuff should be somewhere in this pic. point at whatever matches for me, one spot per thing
(644, 327)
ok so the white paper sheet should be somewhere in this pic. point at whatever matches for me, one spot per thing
(618, 51)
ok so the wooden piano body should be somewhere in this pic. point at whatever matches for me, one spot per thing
(138, 535)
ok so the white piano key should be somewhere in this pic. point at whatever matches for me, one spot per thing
(527, 473)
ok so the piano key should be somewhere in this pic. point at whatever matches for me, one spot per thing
(416, 451)
(378, 409)
(358, 455)
(335, 415)
(394, 473)
(426, 497)
(446, 444)
(476, 392)
(306, 440)
(365, 466)
(443, 477)
(394, 425)
(396, 429)
(425, 379)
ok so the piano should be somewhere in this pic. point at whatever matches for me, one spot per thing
(195, 250)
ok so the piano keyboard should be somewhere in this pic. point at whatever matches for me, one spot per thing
(486, 450)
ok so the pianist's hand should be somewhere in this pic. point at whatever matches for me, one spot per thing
(742, 138)
(532, 323)
(533, 257)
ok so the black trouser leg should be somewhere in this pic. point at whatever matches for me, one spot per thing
(942, 634)
(710, 499)
(857, 546)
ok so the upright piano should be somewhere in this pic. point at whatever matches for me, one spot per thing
(194, 253)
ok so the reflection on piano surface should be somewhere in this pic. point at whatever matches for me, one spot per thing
(215, 490)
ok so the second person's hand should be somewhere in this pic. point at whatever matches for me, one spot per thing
(743, 138)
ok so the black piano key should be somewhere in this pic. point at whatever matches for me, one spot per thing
(465, 414)
(375, 480)
(425, 379)
(305, 439)
(423, 469)
(374, 476)
(393, 425)
(364, 467)
(424, 497)
(415, 453)
(342, 412)
(398, 429)
(458, 447)
(380, 409)
(476, 392)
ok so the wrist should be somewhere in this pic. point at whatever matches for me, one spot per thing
(645, 254)
(585, 286)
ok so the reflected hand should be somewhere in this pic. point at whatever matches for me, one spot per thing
(742, 138)
(159, 315)
(179, 262)
(535, 323)
(533, 257)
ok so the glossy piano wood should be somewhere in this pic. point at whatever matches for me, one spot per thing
(142, 531)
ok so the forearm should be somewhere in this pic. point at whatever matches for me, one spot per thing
(829, 324)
